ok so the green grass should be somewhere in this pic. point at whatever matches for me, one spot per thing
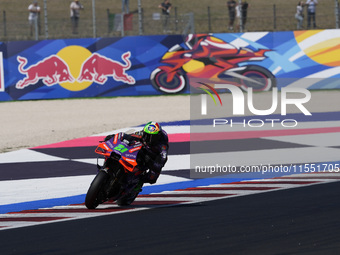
(260, 17)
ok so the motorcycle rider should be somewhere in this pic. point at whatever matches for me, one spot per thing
(154, 153)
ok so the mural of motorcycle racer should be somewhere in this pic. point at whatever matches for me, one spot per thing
(210, 60)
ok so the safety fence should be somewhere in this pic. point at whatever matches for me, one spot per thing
(103, 20)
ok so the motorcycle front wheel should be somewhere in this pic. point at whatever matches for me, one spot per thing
(158, 80)
(93, 196)
(258, 78)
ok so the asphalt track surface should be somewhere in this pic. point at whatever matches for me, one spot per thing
(298, 220)
(294, 221)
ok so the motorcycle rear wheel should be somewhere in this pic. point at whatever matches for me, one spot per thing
(93, 199)
(128, 199)
(264, 80)
(176, 85)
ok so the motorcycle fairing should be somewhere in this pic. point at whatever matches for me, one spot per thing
(121, 150)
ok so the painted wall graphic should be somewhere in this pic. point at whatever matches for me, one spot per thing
(151, 65)
(207, 59)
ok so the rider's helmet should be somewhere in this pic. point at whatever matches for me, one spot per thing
(151, 133)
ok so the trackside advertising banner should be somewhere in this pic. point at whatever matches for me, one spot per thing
(168, 64)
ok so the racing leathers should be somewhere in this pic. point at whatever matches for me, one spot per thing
(150, 157)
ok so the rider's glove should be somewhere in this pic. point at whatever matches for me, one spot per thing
(148, 161)
(147, 158)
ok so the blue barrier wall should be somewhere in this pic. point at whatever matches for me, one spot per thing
(106, 67)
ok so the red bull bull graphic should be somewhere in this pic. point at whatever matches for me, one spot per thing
(52, 70)
(55, 70)
(98, 68)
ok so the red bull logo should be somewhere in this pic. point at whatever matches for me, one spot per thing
(98, 68)
(51, 70)
(74, 68)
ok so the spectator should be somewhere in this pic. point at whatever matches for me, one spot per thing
(166, 7)
(299, 14)
(75, 10)
(311, 12)
(34, 11)
(125, 6)
(244, 11)
(232, 13)
(238, 17)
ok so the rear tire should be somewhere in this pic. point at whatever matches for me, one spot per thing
(127, 200)
(93, 198)
(264, 80)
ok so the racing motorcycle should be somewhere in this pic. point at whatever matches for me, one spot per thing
(120, 177)
(201, 62)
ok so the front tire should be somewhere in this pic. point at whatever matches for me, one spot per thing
(93, 198)
(176, 85)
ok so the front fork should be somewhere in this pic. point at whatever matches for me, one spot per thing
(116, 178)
